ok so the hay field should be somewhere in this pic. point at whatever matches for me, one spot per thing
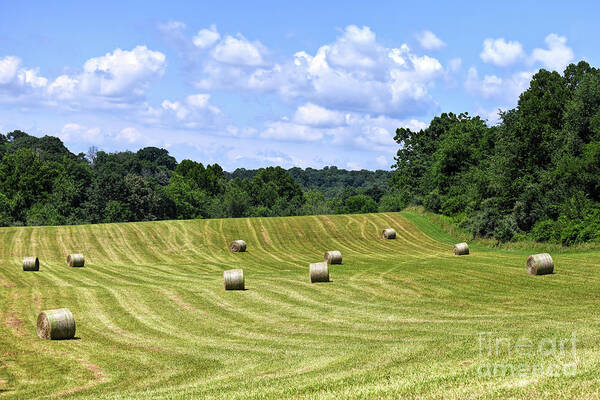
(401, 318)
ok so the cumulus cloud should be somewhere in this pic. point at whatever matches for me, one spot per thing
(206, 37)
(291, 131)
(129, 134)
(314, 115)
(63, 87)
(415, 125)
(352, 131)
(123, 75)
(493, 86)
(73, 132)
(353, 73)
(9, 66)
(557, 56)
(194, 111)
(356, 73)
(239, 51)
(429, 41)
(501, 53)
(30, 77)
(17, 82)
(355, 49)
(122, 72)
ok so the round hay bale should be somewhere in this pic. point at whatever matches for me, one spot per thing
(333, 257)
(233, 279)
(31, 264)
(56, 324)
(388, 233)
(237, 246)
(75, 260)
(319, 272)
(461, 249)
(540, 264)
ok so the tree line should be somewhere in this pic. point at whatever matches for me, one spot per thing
(43, 183)
(534, 175)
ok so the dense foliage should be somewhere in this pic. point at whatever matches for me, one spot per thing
(536, 173)
(42, 183)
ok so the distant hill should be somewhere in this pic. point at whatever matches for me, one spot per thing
(330, 180)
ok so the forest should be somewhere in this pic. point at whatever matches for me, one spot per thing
(43, 183)
(534, 175)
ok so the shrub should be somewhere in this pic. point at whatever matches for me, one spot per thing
(544, 231)
(360, 203)
(506, 228)
(453, 205)
(116, 211)
(393, 201)
(433, 202)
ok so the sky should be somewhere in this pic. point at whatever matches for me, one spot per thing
(254, 84)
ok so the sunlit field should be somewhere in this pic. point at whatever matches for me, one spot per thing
(400, 318)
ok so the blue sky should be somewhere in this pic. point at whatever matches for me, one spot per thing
(251, 84)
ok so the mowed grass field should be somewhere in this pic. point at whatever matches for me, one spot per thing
(401, 318)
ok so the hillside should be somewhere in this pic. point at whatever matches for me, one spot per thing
(401, 318)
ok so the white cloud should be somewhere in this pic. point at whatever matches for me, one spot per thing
(353, 73)
(176, 108)
(8, 69)
(193, 112)
(489, 86)
(415, 125)
(122, 72)
(557, 56)
(355, 49)
(239, 51)
(30, 77)
(285, 130)
(429, 41)
(492, 86)
(16, 82)
(357, 131)
(121, 77)
(378, 80)
(129, 134)
(206, 37)
(311, 114)
(63, 87)
(501, 53)
(73, 132)
(235, 131)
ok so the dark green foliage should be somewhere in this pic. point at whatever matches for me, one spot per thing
(42, 183)
(394, 200)
(331, 181)
(315, 203)
(538, 171)
(360, 203)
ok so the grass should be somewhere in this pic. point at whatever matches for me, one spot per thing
(401, 318)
